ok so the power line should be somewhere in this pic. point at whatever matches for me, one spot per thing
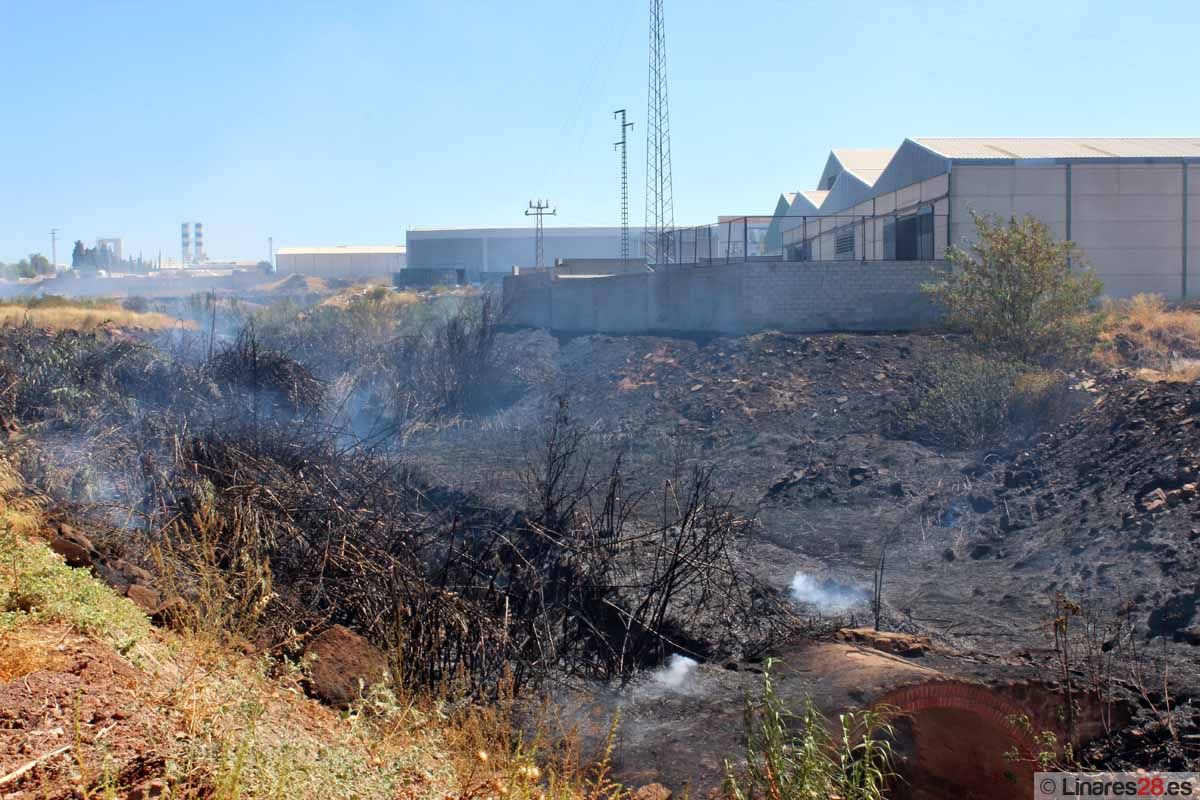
(660, 201)
(623, 146)
(539, 210)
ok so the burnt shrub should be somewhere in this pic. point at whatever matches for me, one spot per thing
(272, 381)
(74, 376)
(449, 366)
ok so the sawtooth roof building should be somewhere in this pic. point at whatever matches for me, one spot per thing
(1131, 204)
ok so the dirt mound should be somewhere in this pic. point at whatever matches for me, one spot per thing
(295, 284)
(1116, 488)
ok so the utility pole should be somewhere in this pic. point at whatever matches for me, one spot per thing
(623, 147)
(539, 209)
(54, 249)
(660, 200)
(271, 252)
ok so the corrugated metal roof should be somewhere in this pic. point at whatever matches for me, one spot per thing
(865, 162)
(388, 249)
(1068, 147)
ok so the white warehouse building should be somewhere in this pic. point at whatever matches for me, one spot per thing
(497, 250)
(1131, 204)
(342, 261)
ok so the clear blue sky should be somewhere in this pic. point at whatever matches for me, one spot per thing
(347, 122)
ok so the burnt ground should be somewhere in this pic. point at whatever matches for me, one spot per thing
(976, 543)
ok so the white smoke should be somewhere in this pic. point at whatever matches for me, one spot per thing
(828, 596)
(676, 675)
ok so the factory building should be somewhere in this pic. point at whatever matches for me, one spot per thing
(342, 261)
(478, 251)
(1131, 204)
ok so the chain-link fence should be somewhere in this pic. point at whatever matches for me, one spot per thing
(915, 236)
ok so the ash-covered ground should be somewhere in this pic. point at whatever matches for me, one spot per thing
(976, 545)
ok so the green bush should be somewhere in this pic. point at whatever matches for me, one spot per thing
(796, 756)
(36, 586)
(958, 401)
(967, 400)
(1021, 292)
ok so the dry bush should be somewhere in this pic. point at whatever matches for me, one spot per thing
(1145, 333)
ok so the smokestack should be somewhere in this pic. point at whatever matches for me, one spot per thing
(200, 257)
(185, 237)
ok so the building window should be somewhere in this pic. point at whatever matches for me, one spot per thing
(910, 237)
(844, 243)
(798, 251)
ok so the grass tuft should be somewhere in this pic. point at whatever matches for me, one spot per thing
(801, 756)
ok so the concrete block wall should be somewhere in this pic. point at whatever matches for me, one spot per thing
(732, 299)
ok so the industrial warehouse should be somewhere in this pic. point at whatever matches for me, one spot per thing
(853, 253)
(341, 262)
(1130, 204)
(479, 251)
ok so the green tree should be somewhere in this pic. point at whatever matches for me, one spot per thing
(77, 254)
(40, 264)
(25, 269)
(1020, 291)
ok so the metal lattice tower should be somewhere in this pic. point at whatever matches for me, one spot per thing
(660, 201)
(539, 209)
(623, 147)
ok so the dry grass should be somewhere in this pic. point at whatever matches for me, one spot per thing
(374, 294)
(26, 649)
(295, 284)
(1158, 341)
(81, 318)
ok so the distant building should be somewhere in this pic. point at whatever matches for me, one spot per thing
(1131, 204)
(342, 261)
(113, 246)
(498, 250)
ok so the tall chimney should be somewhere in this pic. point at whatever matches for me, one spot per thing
(200, 257)
(185, 238)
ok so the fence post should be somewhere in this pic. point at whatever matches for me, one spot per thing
(745, 238)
